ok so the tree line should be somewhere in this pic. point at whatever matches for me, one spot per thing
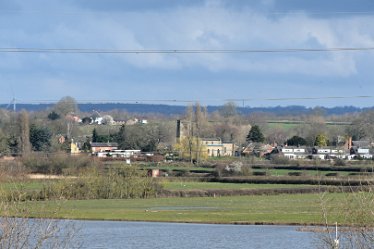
(24, 131)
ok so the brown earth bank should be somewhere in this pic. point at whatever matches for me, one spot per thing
(46, 177)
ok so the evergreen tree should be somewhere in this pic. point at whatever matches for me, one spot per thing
(40, 138)
(13, 144)
(53, 116)
(95, 136)
(296, 141)
(86, 145)
(255, 135)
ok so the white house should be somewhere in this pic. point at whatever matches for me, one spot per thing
(294, 152)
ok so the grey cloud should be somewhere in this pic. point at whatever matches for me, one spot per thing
(132, 5)
(324, 6)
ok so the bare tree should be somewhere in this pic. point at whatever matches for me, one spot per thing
(228, 110)
(25, 133)
(363, 126)
(66, 105)
(356, 216)
(17, 231)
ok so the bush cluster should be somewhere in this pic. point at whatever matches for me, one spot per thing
(118, 183)
(11, 170)
(56, 163)
(276, 159)
(236, 168)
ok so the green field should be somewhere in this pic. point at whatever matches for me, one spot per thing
(35, 185)
(182, 185)
(275, 209)
(24, 185)
(284, 172)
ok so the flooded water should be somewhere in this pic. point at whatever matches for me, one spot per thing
(111, 234)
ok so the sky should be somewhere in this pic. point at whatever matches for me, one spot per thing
(249, 79)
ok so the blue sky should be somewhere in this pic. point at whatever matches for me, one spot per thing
(194, 24)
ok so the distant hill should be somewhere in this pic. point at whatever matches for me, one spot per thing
(178, 109)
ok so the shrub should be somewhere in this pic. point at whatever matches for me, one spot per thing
(12, 170)
(278, 159)
(295, 173)
(334, 174)
(246, 170)
(339, 162)
(118, 183)
(219, 170)
(234, 168)
(57, 163)
(260, 173)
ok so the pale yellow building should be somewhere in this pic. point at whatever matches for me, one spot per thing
(74, 149)
(214, 147)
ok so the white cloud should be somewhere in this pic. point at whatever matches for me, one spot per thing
(218, 28)
(210, 26)
(197, 26)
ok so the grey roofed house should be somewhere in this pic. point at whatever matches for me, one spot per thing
(361, 149)
(292, 152)
(361, 143)
(104, 144)
(98, 147)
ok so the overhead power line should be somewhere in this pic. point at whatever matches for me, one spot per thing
(139, 101)
(178, 51)
(281, 12)
(304, 98)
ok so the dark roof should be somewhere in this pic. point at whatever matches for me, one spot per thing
(361, 143)
(104, 144)
(211, 139)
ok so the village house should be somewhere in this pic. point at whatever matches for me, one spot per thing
(74, 148)
(100, 147)
(118, 153)
(294, 152)
(350, 150)
(214, 146)
(328, 153)
(361, 152)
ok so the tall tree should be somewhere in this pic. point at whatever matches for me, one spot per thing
(255, 135)
(40, 138)
(4, 146)
(53, 116)
(362, 127)
(25, 133)
(296, 141)
(228, 110)
(66, 105)
(321, 140)
(95, 136)
(13, 144)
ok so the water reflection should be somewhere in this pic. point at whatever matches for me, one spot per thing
(111, 234)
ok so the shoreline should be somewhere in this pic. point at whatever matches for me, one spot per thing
(293, 224)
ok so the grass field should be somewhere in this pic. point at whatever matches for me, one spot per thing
(275, 209)
(182, 185)
(24, 185)
(284, 172)
(168, 185)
